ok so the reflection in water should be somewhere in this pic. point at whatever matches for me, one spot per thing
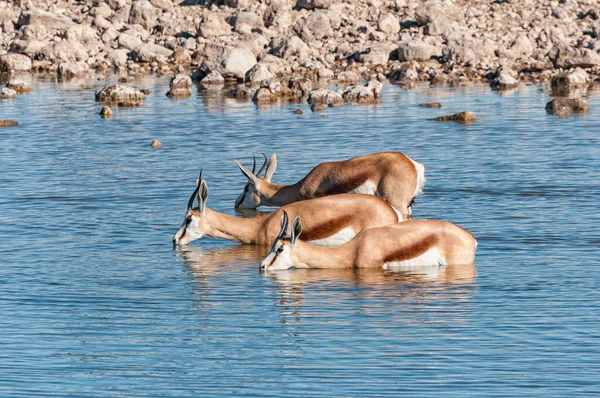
(203, 262)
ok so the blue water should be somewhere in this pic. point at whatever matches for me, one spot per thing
(95, 302)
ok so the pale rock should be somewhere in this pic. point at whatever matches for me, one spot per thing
(348, 76)
(325, 74)
(387, 23)
(213, 78)
(128, 41)
(375, 55)
(81, 33)
(20, 86)
(14, 62)
(416, 50)
(504, 79)
(7, 93)
(316, 26)
(180, 81)
(565, 107)
(573, 58)
(49, 20)
(149, 52)
(258, 73)
(313, 4)
(65, 51)
(576, 78)
(264, 95)
(431, 9)
(300, 87)
(292, 46)
(33, 32)
(118, 58)
(143, 13)
(214, 25)
(101, 23)
(325, 96)
(119, 92)
(66, 69)
(238, 62)
(163, 5)
(248, 18)
(102, 10)
(438, 26)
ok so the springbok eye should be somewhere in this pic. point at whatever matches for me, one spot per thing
(188, 221)
(279, 250)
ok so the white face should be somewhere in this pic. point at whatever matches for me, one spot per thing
(279, 257)
(249, 199)
(191, 229)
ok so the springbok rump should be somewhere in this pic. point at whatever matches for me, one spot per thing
(413, 243)
(392, 176)
(330, 220)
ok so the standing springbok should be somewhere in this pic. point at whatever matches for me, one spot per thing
(331, 220)
(392, 176)
(414, 243)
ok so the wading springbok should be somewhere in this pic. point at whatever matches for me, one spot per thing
(392, 176)
(331, 220)
(413, 243)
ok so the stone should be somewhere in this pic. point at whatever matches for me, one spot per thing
(180, 81)
(129, 42)
(118, 58)
(367, 94)
(14, 62)
(504, 79)
(19, 86)
(325, 74)
(163, 5)
(300, 87)
(573, 79)
(348, 76)
(119, 92)
(66, 69)
(8, 123)
(415, 50)
(431, 9)
(213, 78)
(155, 143)
(106, 112)
(387, 23)
(47, 19)
(431, 104)
(462, 117)
(248, 18)
(87, 85)
(81, 33)
(574, 58)
(149, 52)
(34, 32)
(241, 93)
(181, 56)
(325, 96)
(7, 93)
(298, 112)
(258, 73)
(565, 107)
(65, 51)
(102, 9)
(313, 4)
(214, 25)
(179, 92)
(376, 55)
(126, 104)
(292, 47)
(143, 13)
(237, 63)
(264, 95)
(438, 26)
(316, 26)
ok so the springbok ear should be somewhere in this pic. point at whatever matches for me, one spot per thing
(271, 166)
(296, 229)
(285, 220)
(251, 177)
(202, 196)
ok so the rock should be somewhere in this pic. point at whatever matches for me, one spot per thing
(106, 112)
(128, 41)
(248, 18)
(19, 86)
(258, 73)
(102, 9)
(72, 68)
(155, 143)
(462, 117)
(313, 4)
(348, 76)
(8, 123)
(180, 81)
(504, 79)
(325, 96)
(149, 52)
(118, 58)
(431, 104)
(213, 78)
(163, 5)
(47, 19)
(318, 107)
(297, 112)
(14, 62)
(7, 93)
(65, 51)
(241, 93)
(125, 104)
(576, 58)
(81, 33)
(325, 74)
(214, 25)
(181, 56)
(387, 23)
(564, 107)
(368, 94)
(375, 55)
(118, 92)
(438, 26)
(34, 32)
(87, 85)
(142, 13)
(179, 92)
(291, 47)
(415, 50)
(576, 78)
(237, 63)
(521, 47)
(300, 88)
(264, 95)
(316, 26)
(431, 9)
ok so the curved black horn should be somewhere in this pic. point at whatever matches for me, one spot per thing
(195, 194)
(253, 164)
(284, 225)
(262, 168)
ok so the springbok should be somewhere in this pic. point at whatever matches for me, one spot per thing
(413, 243)
(331, 220)
(392, 176)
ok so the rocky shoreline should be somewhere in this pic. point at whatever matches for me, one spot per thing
(278, 47)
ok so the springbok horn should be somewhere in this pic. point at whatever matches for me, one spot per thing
(253, 164)
(262, 168)
(284, 225)
(193, 197)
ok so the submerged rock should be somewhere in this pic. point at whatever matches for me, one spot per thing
(126, 104)
(119, 92)
(431, 104)
(7, 93)
(8, 123)
(565, 107)
(106, 112)
(504, 79)
(462, 117)
(325, 96)
(155, 143)
(19, 86)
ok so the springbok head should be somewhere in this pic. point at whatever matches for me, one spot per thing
(280, 256)
(255, 189)
(193, 225)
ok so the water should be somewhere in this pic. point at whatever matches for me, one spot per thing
(94, 301)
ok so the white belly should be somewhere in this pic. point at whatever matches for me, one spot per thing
(368, 188)
(339, 238)
(429, 258)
